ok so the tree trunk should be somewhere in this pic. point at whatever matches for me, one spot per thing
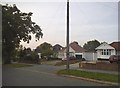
(6, 59)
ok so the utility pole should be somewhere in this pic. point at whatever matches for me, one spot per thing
(67, 51)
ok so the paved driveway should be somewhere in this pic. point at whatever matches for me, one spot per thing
(40, 75)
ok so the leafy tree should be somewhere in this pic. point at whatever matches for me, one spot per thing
(16, 26)
(91, 45)
(45, 49)
(18, 53)
(28, 50)
(22, 52)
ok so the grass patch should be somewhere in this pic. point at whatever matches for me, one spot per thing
(91, 75)
(65, 62)
(18, 65)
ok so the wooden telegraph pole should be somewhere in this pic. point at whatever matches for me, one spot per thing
(67, 52)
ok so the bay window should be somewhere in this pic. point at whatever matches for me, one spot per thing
(106, 52)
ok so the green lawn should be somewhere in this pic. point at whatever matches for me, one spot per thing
(91, 75)
(18, 65)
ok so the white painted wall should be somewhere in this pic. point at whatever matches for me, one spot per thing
(39, 55)
(90, 56)
(104, 46)
(78, 53)
(99, 54)
(61, 55)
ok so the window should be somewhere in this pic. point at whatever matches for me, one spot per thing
(106, 52)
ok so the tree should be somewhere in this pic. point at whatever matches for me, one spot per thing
(16, 26)
(46, 49)
(28, 50)
(22, 52)
(18, 53)
(91, 45)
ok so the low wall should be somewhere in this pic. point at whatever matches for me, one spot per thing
(100, 66)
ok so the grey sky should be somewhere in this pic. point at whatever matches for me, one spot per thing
(88, 21)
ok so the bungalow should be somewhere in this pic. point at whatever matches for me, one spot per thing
(75, 50)
(56, 49)
(105, 50)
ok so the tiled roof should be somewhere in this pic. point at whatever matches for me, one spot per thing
(57, 47)
(116, 45)
(77, 48)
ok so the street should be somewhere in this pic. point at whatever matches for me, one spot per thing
(40, 75)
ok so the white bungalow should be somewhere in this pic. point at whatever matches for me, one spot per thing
(104, 51)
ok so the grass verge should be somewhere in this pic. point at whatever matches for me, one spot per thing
(18, 65)
(91, 75)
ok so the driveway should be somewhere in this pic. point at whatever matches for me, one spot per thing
(40, 75)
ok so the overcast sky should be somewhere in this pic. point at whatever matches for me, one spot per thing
(88, 20)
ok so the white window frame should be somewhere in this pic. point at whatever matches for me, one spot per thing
(106, 52)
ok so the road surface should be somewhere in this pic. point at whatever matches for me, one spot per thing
(40, 75)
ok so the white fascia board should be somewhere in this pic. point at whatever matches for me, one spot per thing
(104, 46)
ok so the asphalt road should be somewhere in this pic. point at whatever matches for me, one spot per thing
(40, 75)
